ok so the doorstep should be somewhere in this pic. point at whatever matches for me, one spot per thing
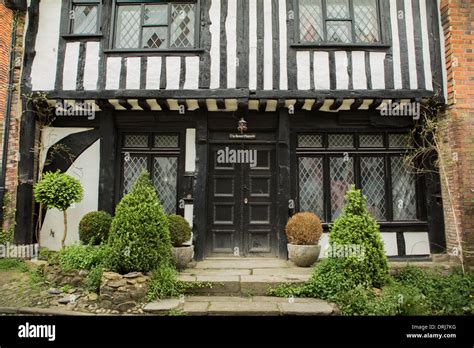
(241, 306)
(243, 277)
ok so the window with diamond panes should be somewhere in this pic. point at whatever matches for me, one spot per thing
(151, 25)
(84, 17)
(341, 176)
(403, 190)
(372, 177)
(310, 140)
(341, 140)
(339, 21)
(371, 140)
(165, 174)
(311, 185)
(375, 166)
(164, 141)
(163, 166)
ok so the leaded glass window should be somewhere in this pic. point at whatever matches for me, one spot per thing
(159, 155)
(341, 176)
(147, 25)
(328, 163)
(311, 188)
(339, 21)
(84, 17)
(403, 190)
(373, 185)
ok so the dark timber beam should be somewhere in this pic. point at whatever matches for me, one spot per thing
(108, 140)
(26, 166)
(283, 194)
(200, 186)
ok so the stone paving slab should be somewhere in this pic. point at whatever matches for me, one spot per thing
(259, 284)
(315, 308)
(196, 308)
(161, 306)
(243, 308)
(219, 271)
(246, 263)
(282, 271)
(233, 299)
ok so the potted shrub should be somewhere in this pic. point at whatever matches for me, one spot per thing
(180, 233)
(303, 231)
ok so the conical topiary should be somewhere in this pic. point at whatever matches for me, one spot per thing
(356, 230)
(139, 235)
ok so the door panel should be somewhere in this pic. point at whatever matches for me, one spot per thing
(241, 204)
(224, 206)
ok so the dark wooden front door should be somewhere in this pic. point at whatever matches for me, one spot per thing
(242, 198)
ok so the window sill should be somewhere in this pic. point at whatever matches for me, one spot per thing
(146, 52)
(81, 36)
(346, 46)
(413, 223)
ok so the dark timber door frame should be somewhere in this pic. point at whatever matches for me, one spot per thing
(242, 209)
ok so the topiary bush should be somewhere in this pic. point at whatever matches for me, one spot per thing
(356, 227)
(139, 235)
(304, 229)
(94, 227)
(58, 190)
(180, 231)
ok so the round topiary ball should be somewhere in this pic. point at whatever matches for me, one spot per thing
(180, 231)
(94, 227)
(304, 229)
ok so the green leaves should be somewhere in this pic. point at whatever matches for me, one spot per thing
(139, 235)
(180, 231)
(94, 227)
(355, 226)
(58, 190)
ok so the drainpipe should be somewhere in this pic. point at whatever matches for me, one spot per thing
(6, 120)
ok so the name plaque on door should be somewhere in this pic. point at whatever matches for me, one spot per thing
(242, 136)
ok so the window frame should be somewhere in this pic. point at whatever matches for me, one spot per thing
(151, 152)
(356, 153)
(141, 3)
(381, 21)
(70, 25)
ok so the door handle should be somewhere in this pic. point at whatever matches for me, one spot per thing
(246, 200)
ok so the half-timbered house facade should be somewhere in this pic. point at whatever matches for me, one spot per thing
(169, 86)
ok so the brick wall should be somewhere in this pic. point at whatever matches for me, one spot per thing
(457, 125)
(6, 27)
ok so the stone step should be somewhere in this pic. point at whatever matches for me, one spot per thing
(241, 285)
(241, 263)
(241, 306)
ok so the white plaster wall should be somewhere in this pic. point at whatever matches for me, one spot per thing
(416, 243)
(231, 33)
(43, 70)
(303, 75)
(91, 68)
(153, 72)
(51, 135)
(86, 170)
(390, 243)
(321, 70)
(71, 58)
(190, 161)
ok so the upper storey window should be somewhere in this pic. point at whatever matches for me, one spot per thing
(339, 21)
(84, 17)
(154, 25)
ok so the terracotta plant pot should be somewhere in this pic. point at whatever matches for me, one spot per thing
(303, 255)
(182, 255)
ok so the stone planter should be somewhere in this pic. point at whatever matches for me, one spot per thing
(182, 256)
(303, 255)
